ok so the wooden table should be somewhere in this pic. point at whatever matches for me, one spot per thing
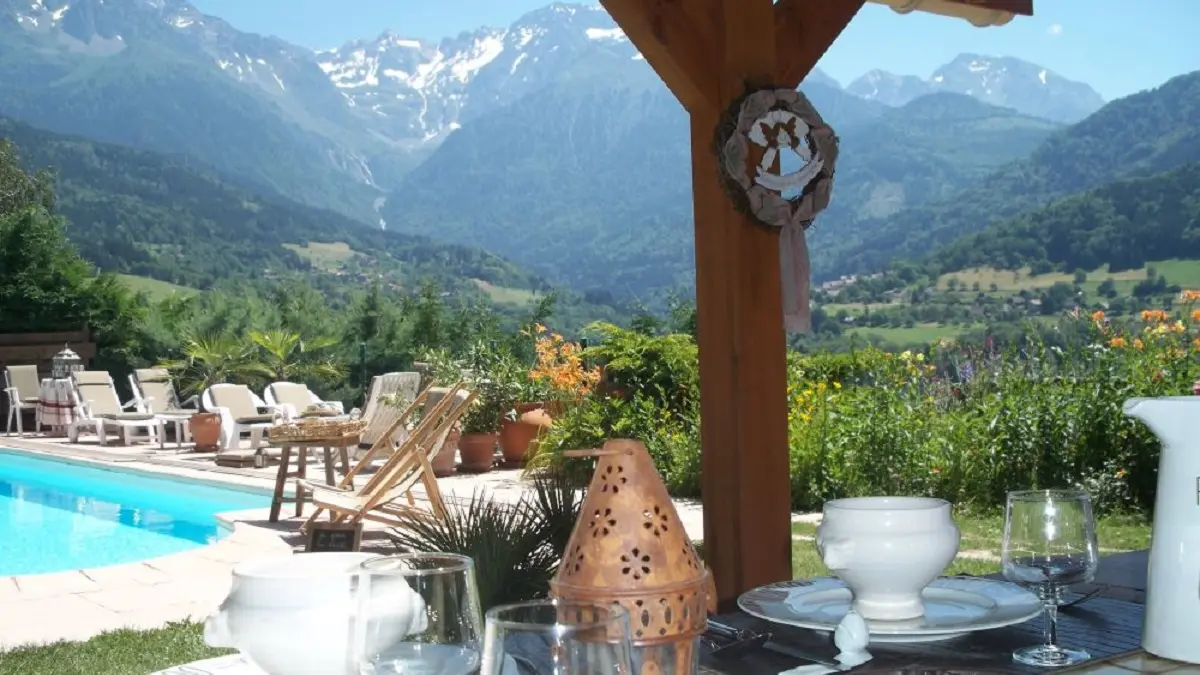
(342, 445)
(1109, 626)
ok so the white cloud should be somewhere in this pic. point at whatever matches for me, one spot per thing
(1055, 29)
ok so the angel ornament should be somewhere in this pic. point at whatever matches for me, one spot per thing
(751, 142)
(780, 130)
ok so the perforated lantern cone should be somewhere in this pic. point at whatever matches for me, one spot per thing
(629, 547)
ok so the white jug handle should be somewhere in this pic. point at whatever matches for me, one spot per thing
(216, 630)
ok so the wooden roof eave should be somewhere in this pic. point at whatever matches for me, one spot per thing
(981, 13)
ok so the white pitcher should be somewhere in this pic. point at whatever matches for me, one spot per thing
(1172, 611)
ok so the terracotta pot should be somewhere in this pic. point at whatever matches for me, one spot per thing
(477, 451)
(517, 435)
(206, 431)
(443, 462)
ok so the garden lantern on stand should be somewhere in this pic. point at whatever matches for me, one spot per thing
(65, 363)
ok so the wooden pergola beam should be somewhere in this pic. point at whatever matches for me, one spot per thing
(676, 48)
(803, 33)
(709, 53)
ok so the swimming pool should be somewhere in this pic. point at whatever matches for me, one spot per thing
(58, 515)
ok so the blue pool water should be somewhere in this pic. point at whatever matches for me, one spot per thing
(57, 516)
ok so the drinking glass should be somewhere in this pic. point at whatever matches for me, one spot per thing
(417, 614)
(1049, 544)
(557, 637)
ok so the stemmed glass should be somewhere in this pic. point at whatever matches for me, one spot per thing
(1049, 544)
(557, 637)
(417, 614)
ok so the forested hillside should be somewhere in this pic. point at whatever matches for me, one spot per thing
(138, 213)
(592, 186)
(1143, 134)
(1122, 225)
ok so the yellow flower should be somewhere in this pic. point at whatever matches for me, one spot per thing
(837, 385)
(1138, 344)
(1177, 327)
(1121, 473)
(1117, 342)
(920, 357)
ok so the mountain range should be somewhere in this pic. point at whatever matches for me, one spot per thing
(550, 142)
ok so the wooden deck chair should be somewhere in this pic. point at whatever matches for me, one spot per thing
(376, 501)
(380, 416)
(421, 431)
(385, 441)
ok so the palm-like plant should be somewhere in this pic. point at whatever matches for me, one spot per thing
(522, 543)
(209, 360)
(284, 356)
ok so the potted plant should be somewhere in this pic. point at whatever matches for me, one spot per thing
(205, 361)
(481, 425)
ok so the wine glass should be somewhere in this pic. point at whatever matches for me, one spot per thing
(1049, 544)
(417, 614)
(557, 637)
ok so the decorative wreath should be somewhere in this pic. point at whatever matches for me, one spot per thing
(755, 129)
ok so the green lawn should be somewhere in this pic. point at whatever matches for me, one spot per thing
(119, 653)
(505, 295)
(922, 333)
(982, 537)
(328, 256)
(155, 289)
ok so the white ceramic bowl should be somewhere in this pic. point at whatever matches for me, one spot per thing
(887, 550)
(293, 616)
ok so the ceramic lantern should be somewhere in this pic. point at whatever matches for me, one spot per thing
(629, 548)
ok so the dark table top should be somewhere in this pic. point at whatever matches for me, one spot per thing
(1105, 625)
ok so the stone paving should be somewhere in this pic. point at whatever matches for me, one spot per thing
(77, 605)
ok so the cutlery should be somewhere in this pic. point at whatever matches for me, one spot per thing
(739, 642)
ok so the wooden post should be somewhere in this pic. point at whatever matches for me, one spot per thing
(709, 52)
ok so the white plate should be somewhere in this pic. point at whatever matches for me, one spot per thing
(954, 606)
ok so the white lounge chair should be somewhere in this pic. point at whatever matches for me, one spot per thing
(22, 388)
(241, 410)
(379, 415)
(292, 398)
(154, 391)
(100, 408)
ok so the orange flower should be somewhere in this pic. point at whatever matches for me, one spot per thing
(1196, 316)
(1153, 315)
(1138, 344)
(1117, 342)
(1190, 296)
(1098, 316)
(1196, 342)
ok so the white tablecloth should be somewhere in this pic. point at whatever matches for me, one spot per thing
(56, 403)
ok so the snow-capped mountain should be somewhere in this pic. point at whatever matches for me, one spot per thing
(998, 80)
(429, 89)
(340, 128)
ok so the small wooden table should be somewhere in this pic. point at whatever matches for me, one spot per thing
(342, 445)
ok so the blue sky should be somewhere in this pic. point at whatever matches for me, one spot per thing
(1106, 43)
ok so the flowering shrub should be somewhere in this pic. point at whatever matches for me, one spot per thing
(963, 423)
(560, 367)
